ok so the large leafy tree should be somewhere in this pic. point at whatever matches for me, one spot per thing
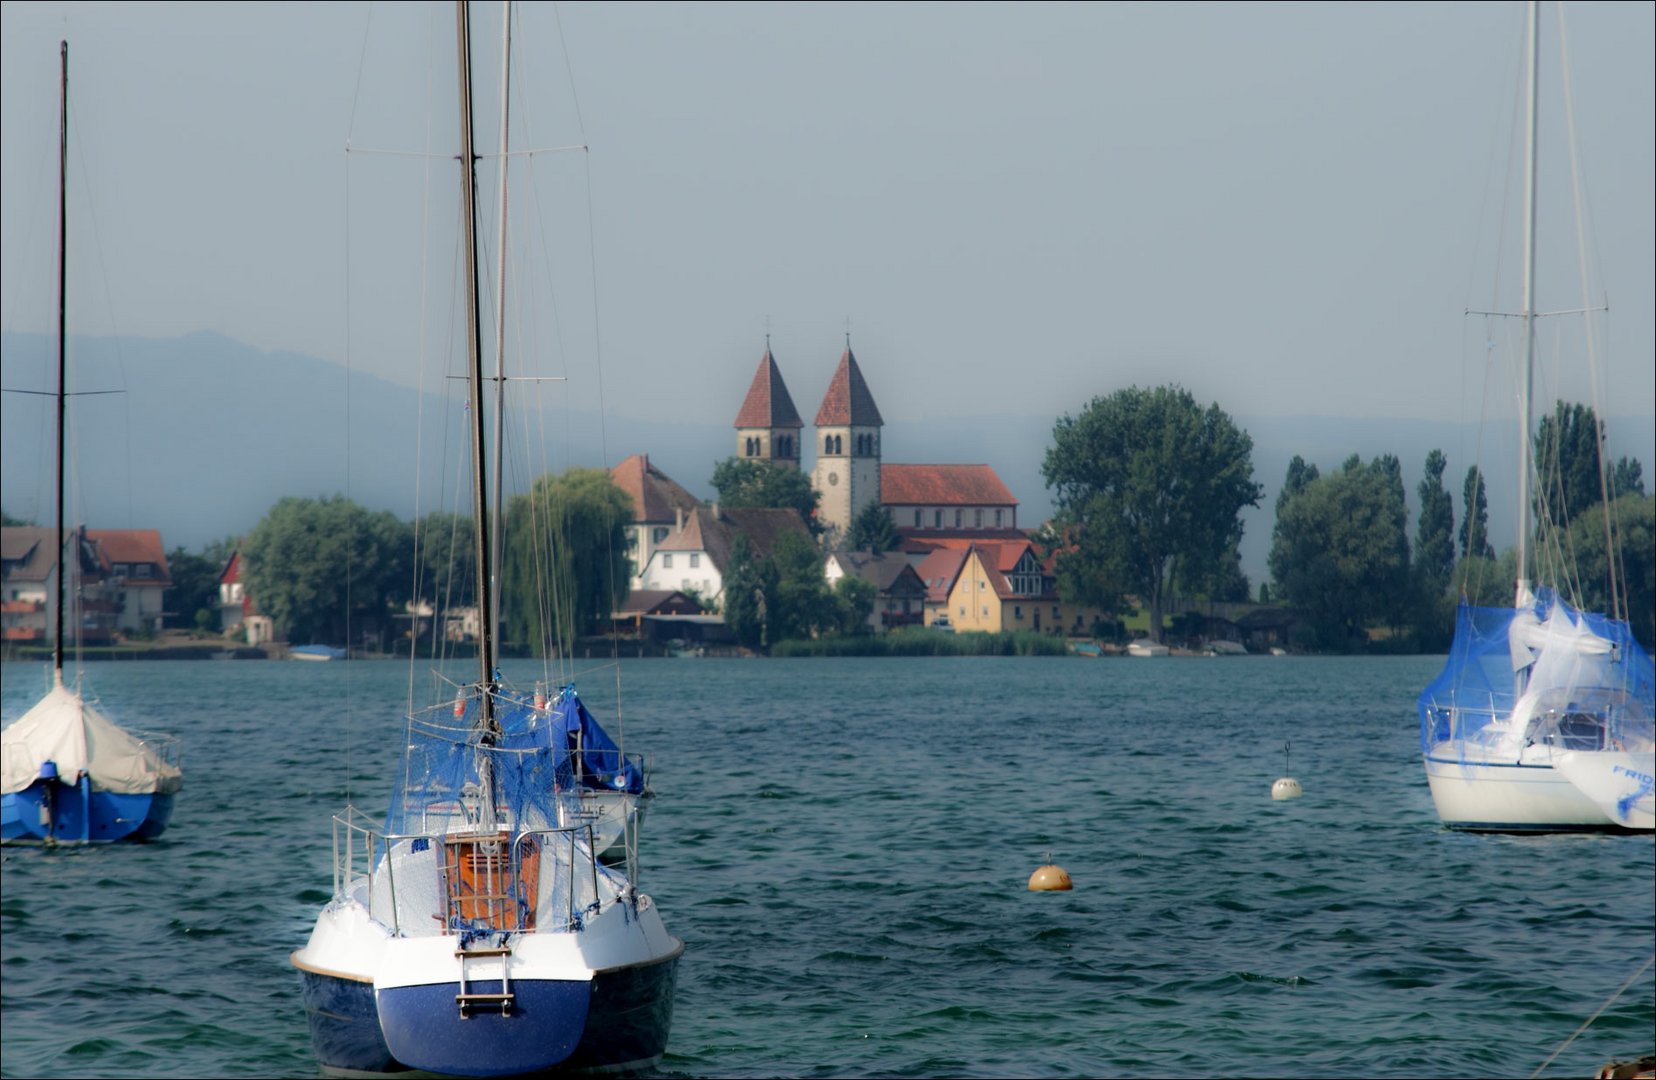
(320, 568)
(872, 530)
(1142, 480)
(1474, 530)
(565, 565)
(1633, 524)
(760, 484)
(1340, 551)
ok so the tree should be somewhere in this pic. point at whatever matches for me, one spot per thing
(855, 597)
(1474, 532)
(1340, 551)
(1567, 464)
(1434, 557)
(872, 530)
(1435, 531)
(565, 566)
(446, 560)
(9, 521)
(1633, 523)
(322, 568)
(760, 484)
(749, 594)
(803, 604)
(195, 584)
(1144, 479)
(1626, 478)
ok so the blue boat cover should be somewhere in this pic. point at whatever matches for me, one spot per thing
(539, 757)
(1500, 655)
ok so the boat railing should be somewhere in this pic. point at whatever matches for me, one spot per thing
(429, 882)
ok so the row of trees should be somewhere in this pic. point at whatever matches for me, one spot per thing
(1149, 487)
(318, 567)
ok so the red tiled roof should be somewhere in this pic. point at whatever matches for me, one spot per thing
(848, 400)
(133, 546)
(655, 497)
(939, 571)
(767, 404)
(716, 535)
(942, 485)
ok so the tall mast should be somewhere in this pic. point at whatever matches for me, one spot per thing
(474, 348)
(500, 302)
(63, 353)
(1527, 385)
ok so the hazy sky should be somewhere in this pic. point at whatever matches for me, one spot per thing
(1286, 208)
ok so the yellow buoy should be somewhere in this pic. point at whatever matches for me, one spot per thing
(1050, 878)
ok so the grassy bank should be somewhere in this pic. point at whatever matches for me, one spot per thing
(917, 642)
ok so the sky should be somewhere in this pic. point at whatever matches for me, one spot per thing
(1286, 209)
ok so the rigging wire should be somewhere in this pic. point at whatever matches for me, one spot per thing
(1631, 979)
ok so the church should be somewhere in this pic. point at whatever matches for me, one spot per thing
(847, 471)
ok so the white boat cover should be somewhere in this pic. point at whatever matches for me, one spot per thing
(64, 729)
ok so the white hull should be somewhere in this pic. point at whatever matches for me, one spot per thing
(1528, 796)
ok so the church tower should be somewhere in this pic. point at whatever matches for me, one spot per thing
(847, 473)
(768, 425)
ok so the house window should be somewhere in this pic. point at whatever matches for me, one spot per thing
(957, 519)
(1017, 611)
(695, 560)
(658, 534)
(917, 514)
(937, 519)
(666, 562)
(979, 514)
(997, 519)
(1055, 613)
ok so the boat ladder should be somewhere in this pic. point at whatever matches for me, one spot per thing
(468, 1000)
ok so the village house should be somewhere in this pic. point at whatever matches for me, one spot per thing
(138, 577)
(954, 498)
(28, 587)
(658, 506)
(900, 596)
(695, 557)
(238, 615)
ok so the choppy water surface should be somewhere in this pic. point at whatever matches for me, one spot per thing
(844, 845)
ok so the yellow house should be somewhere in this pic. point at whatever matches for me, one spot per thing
(1002, 586)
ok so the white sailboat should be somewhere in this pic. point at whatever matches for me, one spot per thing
(478, 930)
(1541, 720)
(68, 773)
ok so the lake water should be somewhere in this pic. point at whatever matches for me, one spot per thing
(844, 845)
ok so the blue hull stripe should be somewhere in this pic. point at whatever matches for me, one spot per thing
(628, 1014)
(112, 817)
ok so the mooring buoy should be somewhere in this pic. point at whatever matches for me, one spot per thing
(1050, 878)
(1286, 787)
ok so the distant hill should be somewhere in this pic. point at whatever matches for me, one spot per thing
(210, 432)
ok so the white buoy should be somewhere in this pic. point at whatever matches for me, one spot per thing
(1286, 787)
(1050, 878)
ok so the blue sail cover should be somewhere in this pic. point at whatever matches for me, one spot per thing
(1480, 683)
(531, 764)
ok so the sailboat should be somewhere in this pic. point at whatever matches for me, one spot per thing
(1541, 720)
(477, 930)
(68, 773)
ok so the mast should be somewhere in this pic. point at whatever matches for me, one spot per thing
(1527, 385)
(500, 303)
(63, 353)
(474, 349)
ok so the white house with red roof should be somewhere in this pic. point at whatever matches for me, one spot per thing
(659, 506)
(695, 557)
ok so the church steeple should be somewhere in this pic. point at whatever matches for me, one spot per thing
(847, 473)
(768, 425)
